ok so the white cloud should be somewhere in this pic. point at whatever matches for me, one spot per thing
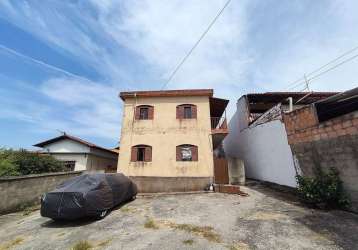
(92, 109)
(255, 46)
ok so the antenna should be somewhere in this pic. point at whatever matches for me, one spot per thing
(61, 132)
(307, 82)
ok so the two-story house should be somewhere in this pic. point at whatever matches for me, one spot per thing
(168, 138)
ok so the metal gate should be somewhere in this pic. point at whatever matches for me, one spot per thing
(221, 174)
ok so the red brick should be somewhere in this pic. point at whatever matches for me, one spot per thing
(337, 126)
(332, 134)
(316, 137)
(352, 130)
(347, 124)
(355, 122)
(341, 132)
(328, 129)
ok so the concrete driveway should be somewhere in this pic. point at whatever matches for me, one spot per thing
(266, 219)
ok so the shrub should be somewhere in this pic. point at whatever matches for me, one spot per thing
(82, 245)
(22, 162)
(7, 168)
(324, 190)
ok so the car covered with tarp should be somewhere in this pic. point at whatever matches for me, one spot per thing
(87, 195)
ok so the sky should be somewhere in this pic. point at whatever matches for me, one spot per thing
(63, 63)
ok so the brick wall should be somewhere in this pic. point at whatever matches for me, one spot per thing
(302, 125)
(333, 143)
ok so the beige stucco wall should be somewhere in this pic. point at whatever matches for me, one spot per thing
(164, 133)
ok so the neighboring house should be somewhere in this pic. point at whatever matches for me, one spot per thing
(258, 135)
(78, 154)
(116, 149)
(168, 137)
(325, 135)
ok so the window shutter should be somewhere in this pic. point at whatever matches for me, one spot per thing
(150, 113)
(180, 112)
(148, 154)
(134, 154)
(194, 153)
(137, 113)
(193, 111)
(178, 153)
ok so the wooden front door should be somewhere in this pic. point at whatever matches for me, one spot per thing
(221, 174)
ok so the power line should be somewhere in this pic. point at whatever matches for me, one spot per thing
(195, 45)
(301, 80)
(329, 69)
(337, 65)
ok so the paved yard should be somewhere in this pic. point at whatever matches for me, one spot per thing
(266, 219)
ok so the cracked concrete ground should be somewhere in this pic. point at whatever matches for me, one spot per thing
(267, 219)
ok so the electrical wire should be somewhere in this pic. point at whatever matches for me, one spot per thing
(331, 68)
(195, 45)
(302, 80)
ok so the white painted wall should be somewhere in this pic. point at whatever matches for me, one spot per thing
(81, 159)
(86, 158)
(264, 149)
(66, 146)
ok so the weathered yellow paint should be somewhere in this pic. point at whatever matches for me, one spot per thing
(164, 133)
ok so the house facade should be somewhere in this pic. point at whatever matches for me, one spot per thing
(78, 155)
(170, 136)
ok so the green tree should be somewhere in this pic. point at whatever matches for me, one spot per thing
(23, 162)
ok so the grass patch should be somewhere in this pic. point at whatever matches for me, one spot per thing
(28, 210)
(11, 243)
(188, 242)
(104, 243)
(82, 245)
(128, 209)
(206, 232)
(238, 246)
(61, 234)
(150, 223)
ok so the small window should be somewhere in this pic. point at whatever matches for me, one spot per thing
(141, 153)
(187, 152)
(187, 112)
(143, 113)
(69, 165)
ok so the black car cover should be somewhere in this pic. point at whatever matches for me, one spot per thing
(87, 195)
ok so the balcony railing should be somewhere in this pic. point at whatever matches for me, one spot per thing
(218, 123)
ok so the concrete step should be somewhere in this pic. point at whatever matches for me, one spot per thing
(229, 189)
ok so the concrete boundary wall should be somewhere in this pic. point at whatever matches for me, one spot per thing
(19, 191)
(153, 184)
(332, 143)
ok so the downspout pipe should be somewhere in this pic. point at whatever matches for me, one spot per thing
(290, 104)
